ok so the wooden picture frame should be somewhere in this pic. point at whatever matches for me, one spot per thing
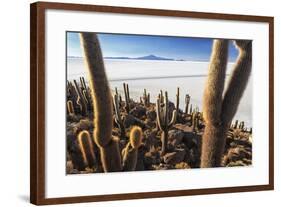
(38, 98)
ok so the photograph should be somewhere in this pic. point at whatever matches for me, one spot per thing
(139, 102)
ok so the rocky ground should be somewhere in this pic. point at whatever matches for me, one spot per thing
(184, 141)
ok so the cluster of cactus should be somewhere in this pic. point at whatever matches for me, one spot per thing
(145, 98)
(241, 126)
(78, 98)
(219, 108)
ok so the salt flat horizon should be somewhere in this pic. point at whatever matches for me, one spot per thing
(156, 75)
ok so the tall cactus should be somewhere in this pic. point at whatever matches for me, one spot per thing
(130, 152)
(70, 108)
(218, 110)
(177, 102)
(102, 102)
(164, 124)
(127, 97)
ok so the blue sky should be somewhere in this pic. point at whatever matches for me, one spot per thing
(121, 45)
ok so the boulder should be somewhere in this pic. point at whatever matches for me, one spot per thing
(173, 158)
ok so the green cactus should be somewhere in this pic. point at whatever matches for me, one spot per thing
(87, 149)
(219, 109)
(102, 102)
(130, 152)
(162, 111)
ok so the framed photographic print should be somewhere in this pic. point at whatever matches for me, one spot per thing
(131, 103)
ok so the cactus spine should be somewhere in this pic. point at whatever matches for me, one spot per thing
(86, 147)
(102, 102)
(130, 152)
(162, 111)
(219, 110)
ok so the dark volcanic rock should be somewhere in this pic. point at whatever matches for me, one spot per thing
(175, 137)
(173, 158)
(138, 111)
(151, 115)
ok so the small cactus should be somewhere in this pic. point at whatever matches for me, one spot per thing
(87, 149)
(70, 108)
(130, 152)
(187, 101)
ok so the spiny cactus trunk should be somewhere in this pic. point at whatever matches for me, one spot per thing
(213, 145)
(212, 100)
(164, 141)
(102, 102)
(110, 156)
(214, 137)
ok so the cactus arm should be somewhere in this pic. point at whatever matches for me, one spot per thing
(116, 108)
(214, 87)
(173, 120)
(166, 110)
(238, 81)
(158, 113)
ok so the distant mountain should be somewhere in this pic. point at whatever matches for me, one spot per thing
(123, 58)
(147, 57)
(153, 57)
